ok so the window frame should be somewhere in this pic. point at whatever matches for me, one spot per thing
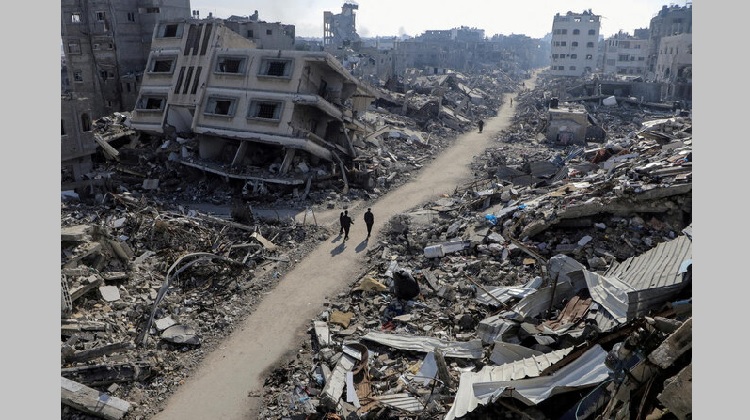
(212, 102)
(223, 59)
(267, 62)
(74, 43)
(143, 101)
(160, 59)
(76, 17)
(163, 30)
(254, 110)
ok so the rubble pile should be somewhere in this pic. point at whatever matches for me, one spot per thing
(148, 289)
(555, 285)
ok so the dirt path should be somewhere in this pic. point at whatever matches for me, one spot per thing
(220, 387)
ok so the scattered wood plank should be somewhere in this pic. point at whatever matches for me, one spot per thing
(86, 355)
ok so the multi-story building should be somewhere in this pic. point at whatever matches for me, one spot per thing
(674, 66)
(106, 45)
(259, 116)
(77, 142)
(625, 55)
(575, 38)
(670, 20)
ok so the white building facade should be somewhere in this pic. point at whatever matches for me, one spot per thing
(574, 43)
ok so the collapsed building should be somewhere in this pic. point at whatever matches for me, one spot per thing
(258, 116)
(562, 292)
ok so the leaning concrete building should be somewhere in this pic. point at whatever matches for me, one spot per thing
(575, 37)
(260, 116)
(669, 21)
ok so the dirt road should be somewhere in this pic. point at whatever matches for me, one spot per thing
(220, 387)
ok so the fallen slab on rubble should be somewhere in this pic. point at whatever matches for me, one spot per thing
(91, 401)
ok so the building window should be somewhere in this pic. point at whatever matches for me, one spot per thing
(277, 68)
(221, 106)
(62, 127)
(622, 57)
(641, 58)
(589, 45)
(170, 30)
(151, 103)
(576, 19)
(563, 43)
(100, 16)
(576, 31)
(554, 56)
(75, 17)
(269, 32)
(162, 65)
(131, 16)
(592, 31)
(591, 57)
(152, 10)
(74, 47)
(85, 122)
(572, 68)
(574, 43)
(106, 74)
(78, 76)
(249, 33)
(574, 56)
(127, 87)
(234, 65)
(95, 46)
(267, 110)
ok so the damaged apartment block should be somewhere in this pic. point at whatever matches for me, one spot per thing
(261, 117)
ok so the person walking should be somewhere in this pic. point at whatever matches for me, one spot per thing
(511, 102)
(369, 221)
(480, 124)
(346, 223)
(341, 223)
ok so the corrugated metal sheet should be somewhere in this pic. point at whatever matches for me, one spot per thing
(642, 283)
(466, 350)
(474, 385)
(404, 402)
(587, 370)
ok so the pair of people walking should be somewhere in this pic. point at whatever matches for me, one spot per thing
(346, 223)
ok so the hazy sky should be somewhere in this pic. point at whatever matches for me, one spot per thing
(413, 17)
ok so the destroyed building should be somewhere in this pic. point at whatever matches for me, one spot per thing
(575, 39)
(340, 30)
(265, 35)
(569, 123)
(625, 54)
(568, 296)
(106, 45)
(279, 117)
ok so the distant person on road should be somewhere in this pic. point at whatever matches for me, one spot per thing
(511, 102)
(369, 221)
(346, 223)
(480, 124)
(341, 223)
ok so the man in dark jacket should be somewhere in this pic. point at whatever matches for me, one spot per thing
(346, 223)
(369, 221)
(341, 223)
